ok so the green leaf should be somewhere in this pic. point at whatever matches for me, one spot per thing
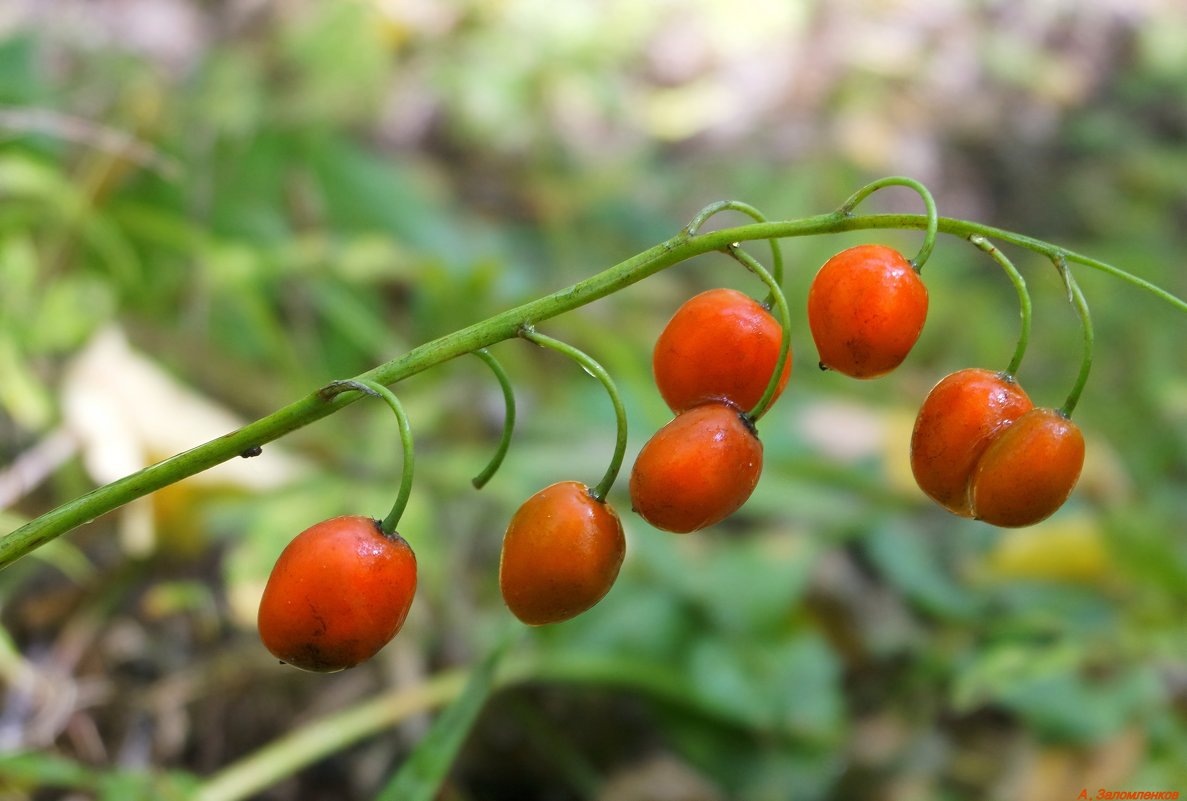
(751, 587)
(1048, 688)
(790, 687)
(20, 79)
(911, 565)
(363, 194)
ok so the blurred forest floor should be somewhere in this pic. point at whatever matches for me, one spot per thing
(211, 208)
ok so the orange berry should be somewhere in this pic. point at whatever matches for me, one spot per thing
(866, 309)
(961, 415)
(338, 593)
(561, 554)
(1029, 471)
(720, 345)
(697, 470)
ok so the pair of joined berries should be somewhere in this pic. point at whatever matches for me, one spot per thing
(980, 448)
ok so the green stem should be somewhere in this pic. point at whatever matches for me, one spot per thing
(1076, 297)
(287, 755)
(255, 772)
(1025, 307)
(752, 264)
(389, 523)
(420, 776)
(753, 213)
(929, 203)
(494, 329)
(965, 228)
(597, 371)
(479, 481)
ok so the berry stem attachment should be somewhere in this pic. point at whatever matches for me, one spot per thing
(780, 303)
(1076, 298)
(1024, 304)
(377, 390)
(597, 371)
(736, 205)
(933, 218)
(479, 481)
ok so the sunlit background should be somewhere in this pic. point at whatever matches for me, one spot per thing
(209, 209)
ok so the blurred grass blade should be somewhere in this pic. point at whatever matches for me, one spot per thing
(45, 770)
(37, 771)
(419, 778)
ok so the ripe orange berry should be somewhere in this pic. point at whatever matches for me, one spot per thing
(697, 470)
(866, 308)
(720, 345)
(1029, 471)
(338, 593)
(561, 554)
(961, 415)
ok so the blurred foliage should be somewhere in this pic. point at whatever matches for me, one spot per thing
(266, 196)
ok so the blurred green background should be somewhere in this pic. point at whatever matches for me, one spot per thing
(211, 208)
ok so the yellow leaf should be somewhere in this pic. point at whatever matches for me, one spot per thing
(126, 413)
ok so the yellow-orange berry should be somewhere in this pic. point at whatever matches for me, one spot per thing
(866, 309)
(338, 593)
(720, 345)
(697, 470)
(1029, 471)
(561, 554)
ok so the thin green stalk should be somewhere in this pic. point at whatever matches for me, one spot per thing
(753, 213)
(965, 228)
(479, 481)
(1076, 297)
(752, 264)
(316, 405)
(494, 329)
(255, 772)
(420, 777)
(1025, 307)
(287, 755)
(597, 371)
(929, 203)
(389, 523)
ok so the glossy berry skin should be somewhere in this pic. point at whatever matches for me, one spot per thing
(866, 309)
(561, 554)
(720, 345)
(961, 415)
(338, 593)
(697, 470)
(1029, 471)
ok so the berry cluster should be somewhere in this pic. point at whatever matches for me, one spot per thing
(980, 448)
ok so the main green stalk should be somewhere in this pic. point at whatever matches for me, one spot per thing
(505, 325)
